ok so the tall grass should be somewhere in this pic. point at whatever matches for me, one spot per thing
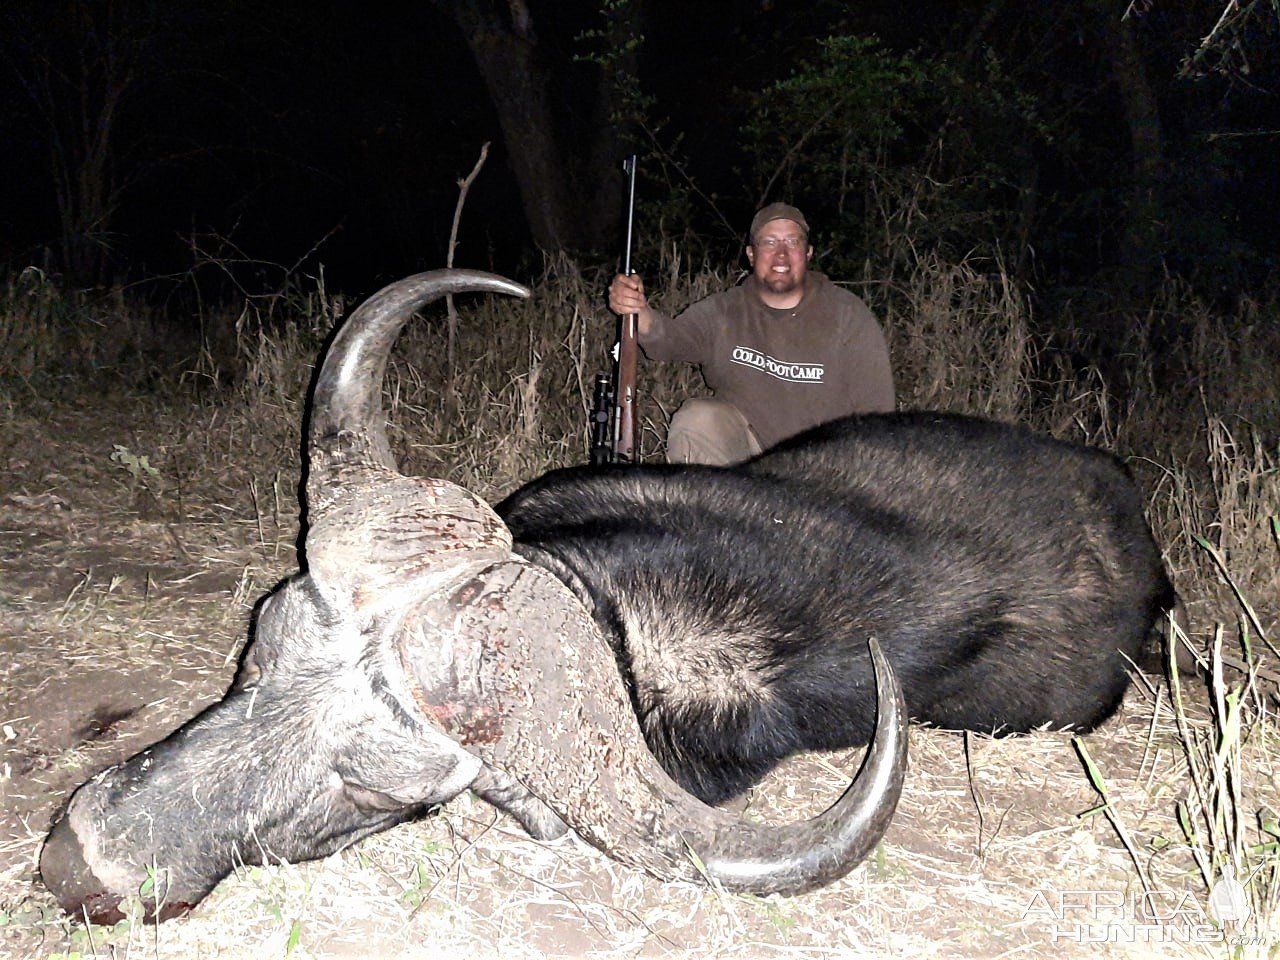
(48, 332)
(1216, 508)
(961, 340)
(31, 314)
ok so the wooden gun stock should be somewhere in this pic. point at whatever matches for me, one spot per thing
(624, 444)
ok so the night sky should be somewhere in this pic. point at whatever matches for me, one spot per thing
(334, 133)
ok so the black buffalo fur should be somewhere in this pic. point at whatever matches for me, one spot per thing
(1009, 577)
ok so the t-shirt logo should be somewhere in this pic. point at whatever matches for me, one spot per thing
(794, 372)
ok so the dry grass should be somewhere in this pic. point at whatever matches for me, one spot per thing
(134, 576)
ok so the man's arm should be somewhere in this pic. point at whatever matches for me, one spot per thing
(867, 364)
(877, 394)
(683, 339)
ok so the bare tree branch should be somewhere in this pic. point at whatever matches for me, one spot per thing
(463, 186)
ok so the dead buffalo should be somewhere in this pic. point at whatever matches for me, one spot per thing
(414, 658)
(1010, 578)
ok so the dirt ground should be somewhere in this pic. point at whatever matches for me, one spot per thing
(122, 613)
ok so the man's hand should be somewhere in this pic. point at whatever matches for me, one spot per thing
(626, 296)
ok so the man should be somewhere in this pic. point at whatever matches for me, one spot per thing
(784, 350)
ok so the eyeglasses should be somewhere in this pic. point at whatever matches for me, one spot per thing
(773, 243)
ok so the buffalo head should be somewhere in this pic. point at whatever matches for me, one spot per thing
(416, 657)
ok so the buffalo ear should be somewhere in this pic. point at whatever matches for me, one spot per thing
(429, 769)
(368, 800)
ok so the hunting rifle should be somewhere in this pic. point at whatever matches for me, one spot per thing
(613, 406)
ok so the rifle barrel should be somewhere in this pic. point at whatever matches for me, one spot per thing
(629, 168)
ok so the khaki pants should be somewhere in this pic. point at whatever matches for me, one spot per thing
(705, 430)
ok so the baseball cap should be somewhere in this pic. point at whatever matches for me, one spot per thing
(776, 211)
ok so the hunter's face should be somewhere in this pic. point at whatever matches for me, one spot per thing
(779, 256)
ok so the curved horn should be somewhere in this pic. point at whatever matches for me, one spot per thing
(827, 847)
(348, 427)
(533, 688)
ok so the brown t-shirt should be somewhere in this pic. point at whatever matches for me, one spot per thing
(786, 370)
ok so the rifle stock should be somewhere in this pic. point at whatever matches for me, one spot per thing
(624, 443)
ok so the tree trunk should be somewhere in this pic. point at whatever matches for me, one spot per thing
(1140, 245)
(571, 196)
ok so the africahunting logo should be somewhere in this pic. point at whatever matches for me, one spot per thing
(1150, 916)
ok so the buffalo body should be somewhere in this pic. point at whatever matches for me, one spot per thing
(1010, 578)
